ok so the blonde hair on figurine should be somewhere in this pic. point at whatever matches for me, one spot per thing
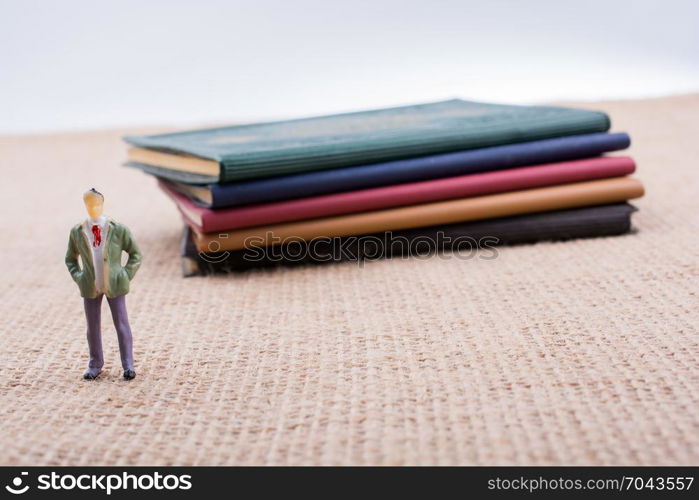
(92, 192)
(94, 203)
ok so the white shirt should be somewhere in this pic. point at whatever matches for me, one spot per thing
(97, 251)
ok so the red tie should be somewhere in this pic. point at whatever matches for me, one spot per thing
(97, 236)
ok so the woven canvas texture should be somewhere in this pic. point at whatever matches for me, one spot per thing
(582, 352)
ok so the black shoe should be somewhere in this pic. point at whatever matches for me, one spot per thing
(91, 375)
(129, 374)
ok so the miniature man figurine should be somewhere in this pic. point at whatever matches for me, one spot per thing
(99, 242)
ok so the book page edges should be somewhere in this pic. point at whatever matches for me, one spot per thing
(182, 163)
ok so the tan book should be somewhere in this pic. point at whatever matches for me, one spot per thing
(526, 201)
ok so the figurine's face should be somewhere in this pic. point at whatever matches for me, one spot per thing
(94, 205)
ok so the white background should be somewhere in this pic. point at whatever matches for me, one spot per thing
(79, 64)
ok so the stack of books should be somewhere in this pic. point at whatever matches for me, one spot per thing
(398, 181)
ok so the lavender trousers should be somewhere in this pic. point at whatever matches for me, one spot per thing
(93, 315)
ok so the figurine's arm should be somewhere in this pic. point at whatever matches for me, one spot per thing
(72, 258)
(131, 248)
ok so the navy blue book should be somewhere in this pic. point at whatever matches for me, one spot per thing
(394, 172)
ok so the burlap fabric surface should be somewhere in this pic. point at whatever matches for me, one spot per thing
(582, 352)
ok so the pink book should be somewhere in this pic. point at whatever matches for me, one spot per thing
(207, 220)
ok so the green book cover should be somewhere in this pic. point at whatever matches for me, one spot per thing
(284, 147)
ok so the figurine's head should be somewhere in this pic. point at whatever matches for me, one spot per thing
(94, 203)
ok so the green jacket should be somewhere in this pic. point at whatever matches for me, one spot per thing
(117, 277)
